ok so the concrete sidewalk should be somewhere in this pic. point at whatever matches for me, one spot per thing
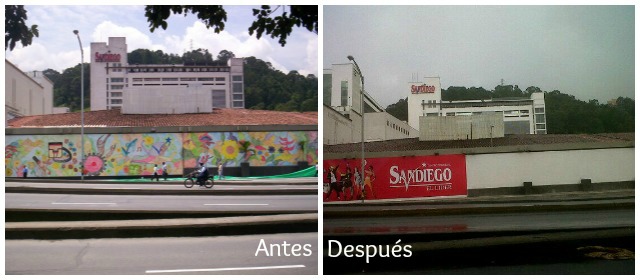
(615, 199)
(176, 181)
(289, 186)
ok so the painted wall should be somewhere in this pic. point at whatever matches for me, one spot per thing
(136, 154)
(498, 170)
(395, 177)
(550, 168)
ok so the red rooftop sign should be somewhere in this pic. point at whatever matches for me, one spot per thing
(107, 57)
(422, 89)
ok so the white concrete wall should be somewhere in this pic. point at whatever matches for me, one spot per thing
(26, 94)
(550, 168)
(337, 129)
(376, 128)
(461, 127)
(166, 100)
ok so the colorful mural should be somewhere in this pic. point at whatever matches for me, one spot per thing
(136, 154)
(44, 155)
(256, 148)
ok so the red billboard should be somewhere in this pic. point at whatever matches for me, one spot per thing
(395, 177)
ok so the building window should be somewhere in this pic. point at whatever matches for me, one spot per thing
(237, 97)
(540, 126)
(344, 93)
(116, 94)
(539, 110)
(450, 114)
(237, 87)
(237, 78)
(187, 79)
(218, 98)
(152, 79)
(116, 101)
(238, 104)
(205, 79)
(117, 86)
(540, 118)
(117, 80)
(220, 79)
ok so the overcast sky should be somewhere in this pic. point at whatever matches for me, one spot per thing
(585, 51)
(57, 47)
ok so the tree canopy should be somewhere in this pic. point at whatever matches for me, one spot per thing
(214, 16)
(15, 27)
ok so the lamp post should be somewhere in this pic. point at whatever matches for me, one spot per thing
(362, 122)
(81, 106)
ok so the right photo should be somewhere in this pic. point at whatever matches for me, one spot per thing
(478, 140)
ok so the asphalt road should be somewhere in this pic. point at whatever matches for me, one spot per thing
(162, 256)
(248, 203)
(497, 222)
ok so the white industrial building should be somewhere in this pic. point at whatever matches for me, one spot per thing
(161, 88)
(26, 93)
(342, 114)
(520, 116)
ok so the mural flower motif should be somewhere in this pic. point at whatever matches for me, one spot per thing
(188, 145)
(230, 149)
(148, 140)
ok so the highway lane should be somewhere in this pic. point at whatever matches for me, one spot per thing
(249, 203)
(527, 221)
(162, 256)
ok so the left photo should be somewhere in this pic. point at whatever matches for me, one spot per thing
(161, 140)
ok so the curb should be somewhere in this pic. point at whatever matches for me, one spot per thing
(379, 213)
(193, 191)
(217, 182)
(163, 227)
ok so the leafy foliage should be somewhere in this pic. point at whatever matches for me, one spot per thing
(66, 89)
(215, 16)
(281, 26)
(400, 109)
(15, 27)
(565, 114)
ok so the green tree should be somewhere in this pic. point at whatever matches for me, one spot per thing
(15, 27)
(400, 109)
(66, 90)
(198, 57)
(215, 16)
(224, 56)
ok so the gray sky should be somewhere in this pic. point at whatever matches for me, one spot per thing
(585, 51)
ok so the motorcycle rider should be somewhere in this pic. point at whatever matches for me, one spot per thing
(203, 174)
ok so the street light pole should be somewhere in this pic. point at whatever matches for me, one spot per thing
(81, 107)
(362, 122)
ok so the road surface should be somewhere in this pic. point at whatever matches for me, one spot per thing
(162, 256)
(248, 203)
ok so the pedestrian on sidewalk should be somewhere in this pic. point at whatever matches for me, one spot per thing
(164, 170)
(25, 171)
(155, 173)
(220, 173)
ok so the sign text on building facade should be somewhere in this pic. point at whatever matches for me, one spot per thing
(422, 89)
(107, 57)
